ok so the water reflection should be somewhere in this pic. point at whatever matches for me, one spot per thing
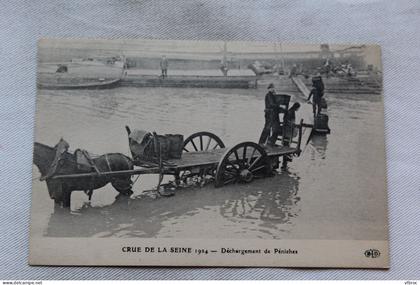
(272, 203)
(276, 204)
(319, 145)
(104, 105)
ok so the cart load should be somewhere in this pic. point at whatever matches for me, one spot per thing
(321, 124)
(149, 146)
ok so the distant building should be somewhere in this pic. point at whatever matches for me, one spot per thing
(325, 51)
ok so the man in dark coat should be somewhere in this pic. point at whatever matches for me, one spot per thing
(317, 92)
(164, 66)
(289, 119)
(272, 122)
(316, 100)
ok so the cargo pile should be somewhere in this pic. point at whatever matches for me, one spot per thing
(150, 146)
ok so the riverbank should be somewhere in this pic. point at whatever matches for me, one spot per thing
(99, 75)
(79, 77)
(335, 85)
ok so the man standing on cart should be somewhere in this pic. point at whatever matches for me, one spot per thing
(272, 122)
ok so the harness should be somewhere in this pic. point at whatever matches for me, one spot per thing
(128, 162)
(60, 149)
(107, 162)
(88, 158)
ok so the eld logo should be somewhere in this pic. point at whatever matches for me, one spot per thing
(372, 253)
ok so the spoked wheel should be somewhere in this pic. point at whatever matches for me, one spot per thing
(202, 141)
(241, 164)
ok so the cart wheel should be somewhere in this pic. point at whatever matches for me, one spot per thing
(202, 141)
(242, 163)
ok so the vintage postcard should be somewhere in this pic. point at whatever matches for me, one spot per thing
(195, 153)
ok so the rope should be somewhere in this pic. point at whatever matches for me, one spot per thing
(107, 162)
(135, 180)
(91, 154)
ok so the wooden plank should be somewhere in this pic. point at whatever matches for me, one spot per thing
(108, 173)
(197, 159)
(191, 81)
(188, 160)
(273, 151)
(301, 86)
(213, 157)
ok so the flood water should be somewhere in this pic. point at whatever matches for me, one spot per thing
(334, 190)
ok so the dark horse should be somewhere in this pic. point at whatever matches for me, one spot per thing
(62, 162)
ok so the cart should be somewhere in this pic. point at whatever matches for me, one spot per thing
(204, 154)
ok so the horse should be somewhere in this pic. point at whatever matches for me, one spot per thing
(62, 162)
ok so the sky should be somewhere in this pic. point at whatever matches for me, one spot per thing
(191, 49)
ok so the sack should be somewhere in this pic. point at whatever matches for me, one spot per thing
(147, 146)
(150, 148)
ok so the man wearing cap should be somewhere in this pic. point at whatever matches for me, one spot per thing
(272, 122)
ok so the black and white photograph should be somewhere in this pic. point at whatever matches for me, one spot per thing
(209, 153)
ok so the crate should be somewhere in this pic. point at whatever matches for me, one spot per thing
(168, 146)
(176, 145)
(282, 99)
(321, 122)
(162, 145)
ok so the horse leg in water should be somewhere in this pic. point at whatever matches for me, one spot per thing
(123, 185)
(56, 189)
(66, 197)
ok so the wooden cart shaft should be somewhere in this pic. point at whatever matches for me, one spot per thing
(137, 171)
(189, 160)
(200, 159)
